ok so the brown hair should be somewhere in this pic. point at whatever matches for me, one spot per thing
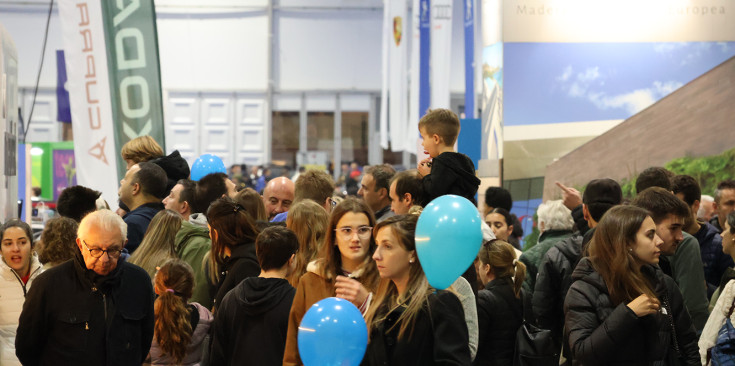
(610, 255)
(409, 181)
(249, 199)
(418, 289)
(330, 258)
(140, 149)
(174, 284)
(315, 185)
(308, 220)
(442, 122)
(58, 240)
(502, 259)
(661, 203)
(158, 242)
(233, 227)
(274, 247)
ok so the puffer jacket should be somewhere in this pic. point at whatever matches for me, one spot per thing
(12, 295)
(533, 256)
(603, 333)
(203, 320)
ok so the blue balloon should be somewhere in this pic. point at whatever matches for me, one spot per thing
(207, 164)
(448, 238)
(332, 332)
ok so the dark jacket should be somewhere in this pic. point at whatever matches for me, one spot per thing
(175, 167)
(532, 257)
(439, 336)
(553, 281)
(714, 260)
(138, 221)
(499, 315)
(451, 173)
(251, 323)
(72, 316)
(241, 264)
(715, 221)
(603, 333)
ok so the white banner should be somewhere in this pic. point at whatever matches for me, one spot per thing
(441, 52)
(89, 96)
(387, 33)
(618, 21)
(413, 102)
(398, 75)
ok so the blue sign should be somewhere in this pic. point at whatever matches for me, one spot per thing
(424, 56)
(469, 59)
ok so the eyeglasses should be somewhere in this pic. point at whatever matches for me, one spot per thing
(97, 252)
(363, 232)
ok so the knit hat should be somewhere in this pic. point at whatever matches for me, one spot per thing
(602, 191)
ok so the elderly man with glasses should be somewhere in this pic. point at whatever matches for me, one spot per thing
(95, 309)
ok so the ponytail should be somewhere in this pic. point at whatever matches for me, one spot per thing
(502, 258)
(174, 283)
(518, 277)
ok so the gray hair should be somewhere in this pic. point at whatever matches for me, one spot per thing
(105, 220)
(705, 198)
(555, 216)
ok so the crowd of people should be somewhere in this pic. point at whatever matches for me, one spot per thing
(222, 270)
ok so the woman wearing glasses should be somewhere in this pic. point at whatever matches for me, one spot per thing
(18, 268)
(409, 322)
(344, 268)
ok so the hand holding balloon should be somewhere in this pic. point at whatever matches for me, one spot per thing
(350, 290)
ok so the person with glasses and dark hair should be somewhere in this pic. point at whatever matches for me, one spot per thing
(344, 268)
(96, 309)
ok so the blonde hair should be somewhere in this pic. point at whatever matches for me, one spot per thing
(502, 259)
(417, 291)
(140, 149)
(174, 284)
(308, 220)
(157, 246)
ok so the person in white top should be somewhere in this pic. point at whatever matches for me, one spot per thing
(18, 267)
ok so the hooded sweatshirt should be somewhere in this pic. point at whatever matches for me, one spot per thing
(250, 325)
(451, 173)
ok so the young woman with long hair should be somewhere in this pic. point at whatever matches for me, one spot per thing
(344, 268)
(621, 309)
(500, 306)
(157, 245)
(18, 268)
(308, 220)
(180, 328)
(410, 323)
(233, 234)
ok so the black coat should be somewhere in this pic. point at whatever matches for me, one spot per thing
(250, 325)
(451, 173)
(603, 333)
(439, 337)
(553, 281)
(499, 315)
(241, 264)
(72, 316)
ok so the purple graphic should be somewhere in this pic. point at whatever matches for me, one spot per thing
(65, 172)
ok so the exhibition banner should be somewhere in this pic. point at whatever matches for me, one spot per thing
(424, 56)
(441, 49)
(396, 32)
(89, 96)
(413, 71)
(469, 59)
(618, 21)
(135, 78)
(63, 112)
